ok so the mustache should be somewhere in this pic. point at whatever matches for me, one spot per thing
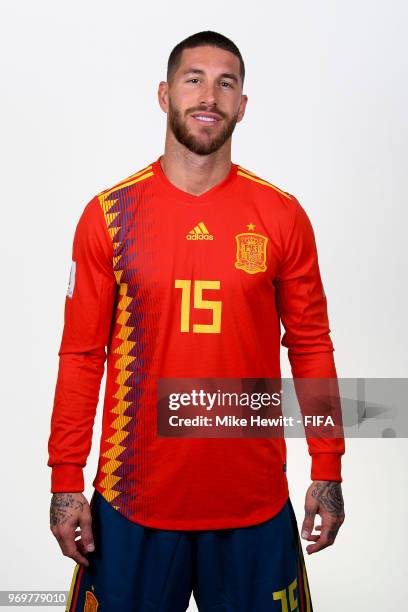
(206, 110)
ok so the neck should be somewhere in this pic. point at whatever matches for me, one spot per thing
(194, 173)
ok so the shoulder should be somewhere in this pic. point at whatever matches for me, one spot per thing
(139, 176)
(110, 201)
(261, 184)
(96, 226)
(275, 199)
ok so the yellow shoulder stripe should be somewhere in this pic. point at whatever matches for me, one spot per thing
(252, 177)
(129, 180)
(247, 171)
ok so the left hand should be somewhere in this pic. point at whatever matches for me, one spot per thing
(323, 497)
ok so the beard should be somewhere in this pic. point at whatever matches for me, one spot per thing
(200, 146)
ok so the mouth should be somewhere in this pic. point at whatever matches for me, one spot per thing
(207, 118)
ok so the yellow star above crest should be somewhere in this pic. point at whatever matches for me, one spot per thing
(251, 226)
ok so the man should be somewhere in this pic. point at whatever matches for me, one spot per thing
(184, 270)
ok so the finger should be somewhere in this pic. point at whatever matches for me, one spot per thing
(327, 536)
(308, 522)
(85, 523)
(317, 527)
(313, 537)
(79, 543)
(323, 541)
(81, 548)
(69, 548)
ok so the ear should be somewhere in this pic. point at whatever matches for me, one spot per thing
(163, 95)
(242, 107)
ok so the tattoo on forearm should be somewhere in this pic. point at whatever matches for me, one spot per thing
(62, 505)
(329, 495)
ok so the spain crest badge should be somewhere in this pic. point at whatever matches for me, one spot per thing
(91, 603)
(251, 251)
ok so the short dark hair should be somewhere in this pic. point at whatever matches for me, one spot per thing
(203, 39)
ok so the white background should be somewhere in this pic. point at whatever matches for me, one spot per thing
(326, 120)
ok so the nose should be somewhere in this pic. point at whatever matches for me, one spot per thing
(208, 95)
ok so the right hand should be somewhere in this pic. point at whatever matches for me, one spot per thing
(67, 512)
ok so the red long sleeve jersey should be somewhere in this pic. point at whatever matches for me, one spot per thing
(245, 244)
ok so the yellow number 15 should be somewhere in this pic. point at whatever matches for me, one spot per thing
(199, 302)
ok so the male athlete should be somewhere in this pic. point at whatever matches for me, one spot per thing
(184, 270)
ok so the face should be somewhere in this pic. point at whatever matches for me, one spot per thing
(204, 99)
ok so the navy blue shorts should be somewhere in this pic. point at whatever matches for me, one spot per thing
(141, 569)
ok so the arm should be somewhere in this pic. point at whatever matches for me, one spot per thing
(87, 323)
(302, 308)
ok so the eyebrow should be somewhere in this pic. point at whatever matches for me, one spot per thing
(225, 75)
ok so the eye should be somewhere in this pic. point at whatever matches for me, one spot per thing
(226, 83)
(193, 79)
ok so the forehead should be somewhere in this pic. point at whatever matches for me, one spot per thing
(209, 58)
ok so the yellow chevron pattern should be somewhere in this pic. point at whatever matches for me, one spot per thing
(119, 424)
(253, 177)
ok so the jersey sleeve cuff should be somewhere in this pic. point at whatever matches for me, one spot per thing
(67, 478)
(326, 466)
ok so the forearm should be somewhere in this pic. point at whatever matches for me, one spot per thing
(318, 394)
(75, 402)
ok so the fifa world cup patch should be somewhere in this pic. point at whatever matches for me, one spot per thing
(71, 282)
(251, 251)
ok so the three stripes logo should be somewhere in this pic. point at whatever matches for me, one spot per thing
(199, 232)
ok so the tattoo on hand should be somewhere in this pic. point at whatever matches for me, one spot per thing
(332, 533)
(61, 507)
(329, 495)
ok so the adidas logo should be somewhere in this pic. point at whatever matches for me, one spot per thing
(199, 232)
